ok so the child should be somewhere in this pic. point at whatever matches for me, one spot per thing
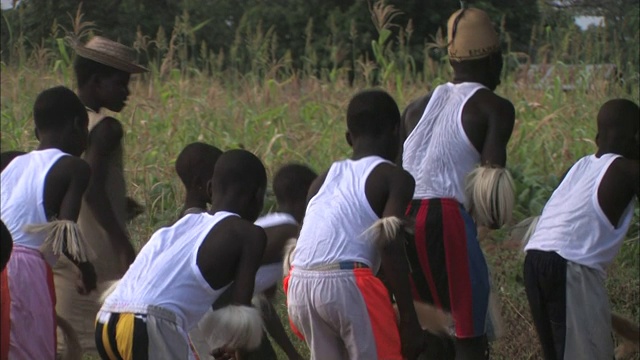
(290, 186)
(194, 166)
(102, 68)
(334, 298)
(41, 198)
(184, 268)
(577, 237)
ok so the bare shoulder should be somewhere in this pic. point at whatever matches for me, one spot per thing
(403, 181)
(106, 135)
(246, 230)
(72, 168)
(495, 104)
(398, 179)
(623, 171)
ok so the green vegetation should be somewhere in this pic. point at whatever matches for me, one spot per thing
(286, 102)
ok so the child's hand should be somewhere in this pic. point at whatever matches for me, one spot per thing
(88, 278)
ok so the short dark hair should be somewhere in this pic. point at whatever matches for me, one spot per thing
(238, 170)
(84, 68)
(291, 183)
(54, 108)
(195, 164)
(372, 112)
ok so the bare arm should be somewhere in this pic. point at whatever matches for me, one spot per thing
(103, 140)
(65, 185)
(500, 127)
(394, 263)
(254, 241)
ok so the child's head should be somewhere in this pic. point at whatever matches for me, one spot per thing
(290, 185)
(239, 182)
(195, 165)
(59, 116)
(103, 69)
(618, 124)
(374, 115)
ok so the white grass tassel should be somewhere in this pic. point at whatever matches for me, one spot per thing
(491, 196)
(233, 326)
(387, 230)
(61, 235)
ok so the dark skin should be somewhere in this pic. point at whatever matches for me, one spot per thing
(277, 237)
(487, 120)
(389, 190)
(64, 186)
(110, 92)
(618, 134)
(233, 249)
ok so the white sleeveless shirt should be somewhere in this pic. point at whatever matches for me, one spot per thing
(334, 225)
(438, 153)
(22, 195)
(165, 273)
(268, 275)
(572, 222)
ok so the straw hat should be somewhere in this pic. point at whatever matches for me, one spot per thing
(110, 53)
(471, 35)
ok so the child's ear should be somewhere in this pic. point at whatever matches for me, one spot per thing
(347, 136)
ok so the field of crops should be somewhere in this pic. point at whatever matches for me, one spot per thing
(286, 116)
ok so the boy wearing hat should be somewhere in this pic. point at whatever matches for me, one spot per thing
(103, 68)
(447, 134)
(579, 233)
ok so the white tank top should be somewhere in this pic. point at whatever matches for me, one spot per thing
(269, 274)
(572, 222)
(336, 219)
(22, 195)
(165, 273)
(437, 152)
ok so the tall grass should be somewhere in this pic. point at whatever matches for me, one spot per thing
(285, 114)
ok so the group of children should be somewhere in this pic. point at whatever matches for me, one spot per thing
(392, 225)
